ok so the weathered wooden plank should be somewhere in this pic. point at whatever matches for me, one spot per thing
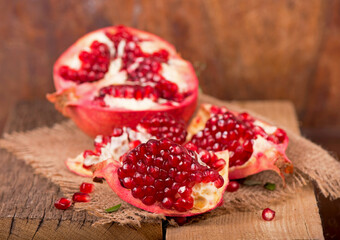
(297, 218)
(26, 199)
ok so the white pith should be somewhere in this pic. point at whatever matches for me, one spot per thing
(129, 103)
(267, 128)
(117, 145)
(207, 195)
(171, 71)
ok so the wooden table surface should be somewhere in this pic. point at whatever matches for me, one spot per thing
(27, 211)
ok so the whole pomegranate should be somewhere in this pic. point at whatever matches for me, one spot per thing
(253, 145)
(115, 76)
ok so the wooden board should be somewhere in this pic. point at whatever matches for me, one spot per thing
(27, 211)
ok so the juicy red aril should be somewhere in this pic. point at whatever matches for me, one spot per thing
(134, 144)
(268, 214)
(181, 220)
(116, 132)
(163, 125)
(86, 187)
(81, 197)
(94, 65)
(161, 181)
(63, 203)
(233, 186)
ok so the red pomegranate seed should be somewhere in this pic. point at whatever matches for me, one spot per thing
(116, 132)
(268, 214)
(181, 220)
(233, 186)
(86, 187)
(81, 197)
(63, 203)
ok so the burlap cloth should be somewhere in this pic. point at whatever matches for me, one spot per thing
(46, 149)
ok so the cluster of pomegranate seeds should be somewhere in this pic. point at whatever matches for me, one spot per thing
(235, 133)
(164, 172)
(131, 49)
(63, 203)
(163, 125)
(94, 64)
(82, 196)
(268, 214)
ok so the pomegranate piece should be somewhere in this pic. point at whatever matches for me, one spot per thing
(81, 197)
(122, 140)
(163, 177)
(63, 203)
(268, 214)
(115, 76)
(253, 145)
(86, 187)
(233, 186)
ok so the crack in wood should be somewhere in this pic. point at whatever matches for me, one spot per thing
(59, 221)
(83, 223)
(108, 228)
(40, 223)
(12, 223)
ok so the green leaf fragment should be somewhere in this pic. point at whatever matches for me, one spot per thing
(113, 209)
(270, 186)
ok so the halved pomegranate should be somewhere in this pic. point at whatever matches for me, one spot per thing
(121, 140)
(114, 76)
(163, 177)
(253, 145)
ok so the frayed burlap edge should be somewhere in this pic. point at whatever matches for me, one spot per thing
(46, 149)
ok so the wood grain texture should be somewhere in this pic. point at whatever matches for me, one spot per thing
(297, 218)
(244, 49)
(27, 200)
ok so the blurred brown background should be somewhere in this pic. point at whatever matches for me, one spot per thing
(241, 49)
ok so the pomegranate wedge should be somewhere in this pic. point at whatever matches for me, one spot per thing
(253, 145)
(121, 140)
(115, 76)
(163, 177)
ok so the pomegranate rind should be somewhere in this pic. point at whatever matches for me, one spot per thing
(109, 173)
(95, 120)
(75, 165)
(273, 157)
